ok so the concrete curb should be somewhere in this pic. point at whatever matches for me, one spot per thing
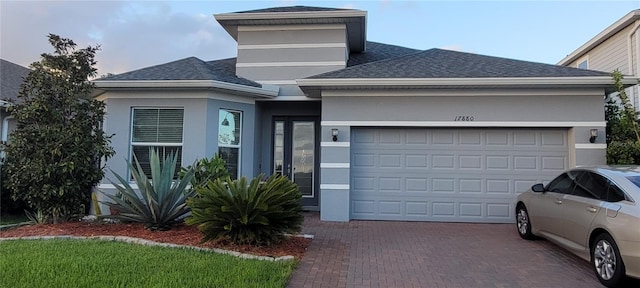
(153, 243)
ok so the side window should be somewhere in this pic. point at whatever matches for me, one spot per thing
(562, 184)
(591, 185)
(614, 193)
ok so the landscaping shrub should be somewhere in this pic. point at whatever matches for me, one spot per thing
(623, 153)
(258, 213)
(162, 200)
(207, 169)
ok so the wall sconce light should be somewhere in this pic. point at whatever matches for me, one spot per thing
(594, 135)
(334, 133)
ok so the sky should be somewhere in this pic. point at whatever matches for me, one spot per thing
(138, 34)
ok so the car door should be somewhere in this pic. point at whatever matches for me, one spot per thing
(580, 207)
(546, 208)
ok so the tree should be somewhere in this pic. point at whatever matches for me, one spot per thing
(623, 135)
(53, 159)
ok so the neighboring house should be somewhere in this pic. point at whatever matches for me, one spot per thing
(367, 130)
(616, 47)
(11, 77)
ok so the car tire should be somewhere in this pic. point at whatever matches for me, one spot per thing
(523, 223)
(606, 261)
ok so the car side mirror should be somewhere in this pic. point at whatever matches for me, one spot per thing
(538, 188)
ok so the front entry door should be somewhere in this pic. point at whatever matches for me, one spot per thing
(295, 154)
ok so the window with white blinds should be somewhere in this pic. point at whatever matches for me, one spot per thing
(159, 129)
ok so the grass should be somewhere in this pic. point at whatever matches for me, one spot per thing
(12, 219)
(95, 263)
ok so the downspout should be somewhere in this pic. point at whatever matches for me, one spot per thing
(633, 69)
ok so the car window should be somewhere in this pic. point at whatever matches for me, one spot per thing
(614, 193)
(591, 185)
(635, 180)
(562, 184)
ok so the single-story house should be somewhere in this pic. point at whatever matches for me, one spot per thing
(367, 130)
(12, 75)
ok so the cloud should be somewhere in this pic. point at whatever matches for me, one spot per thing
(132, 35)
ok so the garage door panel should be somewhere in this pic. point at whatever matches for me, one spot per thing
(449, 174)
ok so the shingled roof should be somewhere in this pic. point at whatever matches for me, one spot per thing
(190, 68)
(12, 75)
(224, 70)
(378, 51)
(439, 63)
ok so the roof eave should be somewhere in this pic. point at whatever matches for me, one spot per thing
(266, 91)
(601, 37)
(314, 86)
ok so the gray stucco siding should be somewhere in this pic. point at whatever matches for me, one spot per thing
(292, 55)
(334, 154)
(288, 36)
(446, 108)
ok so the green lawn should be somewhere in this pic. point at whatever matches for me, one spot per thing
(95, 263)
(12, 219)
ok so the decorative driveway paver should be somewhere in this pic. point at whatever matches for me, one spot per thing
(430, 254)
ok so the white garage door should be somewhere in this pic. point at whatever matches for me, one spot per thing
(453, 175)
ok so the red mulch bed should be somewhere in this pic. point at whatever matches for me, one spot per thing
(180, 234)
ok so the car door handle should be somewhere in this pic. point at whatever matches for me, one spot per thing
(592, 209)
(558, 201)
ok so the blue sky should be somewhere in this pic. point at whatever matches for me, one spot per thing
(136, 34)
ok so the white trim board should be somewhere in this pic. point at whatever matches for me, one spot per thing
(291, 64)
(291, 46)
(334, 186)
(335, 144)
(590, 146)
(335, 165)
(509, 124)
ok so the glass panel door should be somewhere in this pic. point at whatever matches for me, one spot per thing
(303, 156)
(295, 154)
(278, 148)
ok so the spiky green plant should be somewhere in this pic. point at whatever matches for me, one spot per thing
(162, 199)
(258, 213)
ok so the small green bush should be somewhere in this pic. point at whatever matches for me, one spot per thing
(258, 213)
(623, 153)
(163, 198)
(207, 169)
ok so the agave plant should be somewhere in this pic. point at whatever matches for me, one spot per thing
(258, 213)
(162, 198)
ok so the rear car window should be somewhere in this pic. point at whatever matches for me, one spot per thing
(635, 180)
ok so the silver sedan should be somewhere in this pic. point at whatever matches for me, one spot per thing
(593, 212)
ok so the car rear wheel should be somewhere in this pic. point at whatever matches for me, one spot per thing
(523, 223)
(607, 262)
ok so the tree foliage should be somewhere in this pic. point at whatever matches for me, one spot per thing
(623, 135)
(54, 154)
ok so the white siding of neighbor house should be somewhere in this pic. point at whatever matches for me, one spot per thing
(281, 53)
(611, 54)
(614, 54)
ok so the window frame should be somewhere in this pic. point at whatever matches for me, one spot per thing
(240, 134)
(582, 60)
(153, 144)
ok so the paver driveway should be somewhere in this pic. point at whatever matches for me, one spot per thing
(428, 254)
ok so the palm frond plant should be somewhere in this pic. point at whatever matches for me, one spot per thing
(257, 213)
(161, 200)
